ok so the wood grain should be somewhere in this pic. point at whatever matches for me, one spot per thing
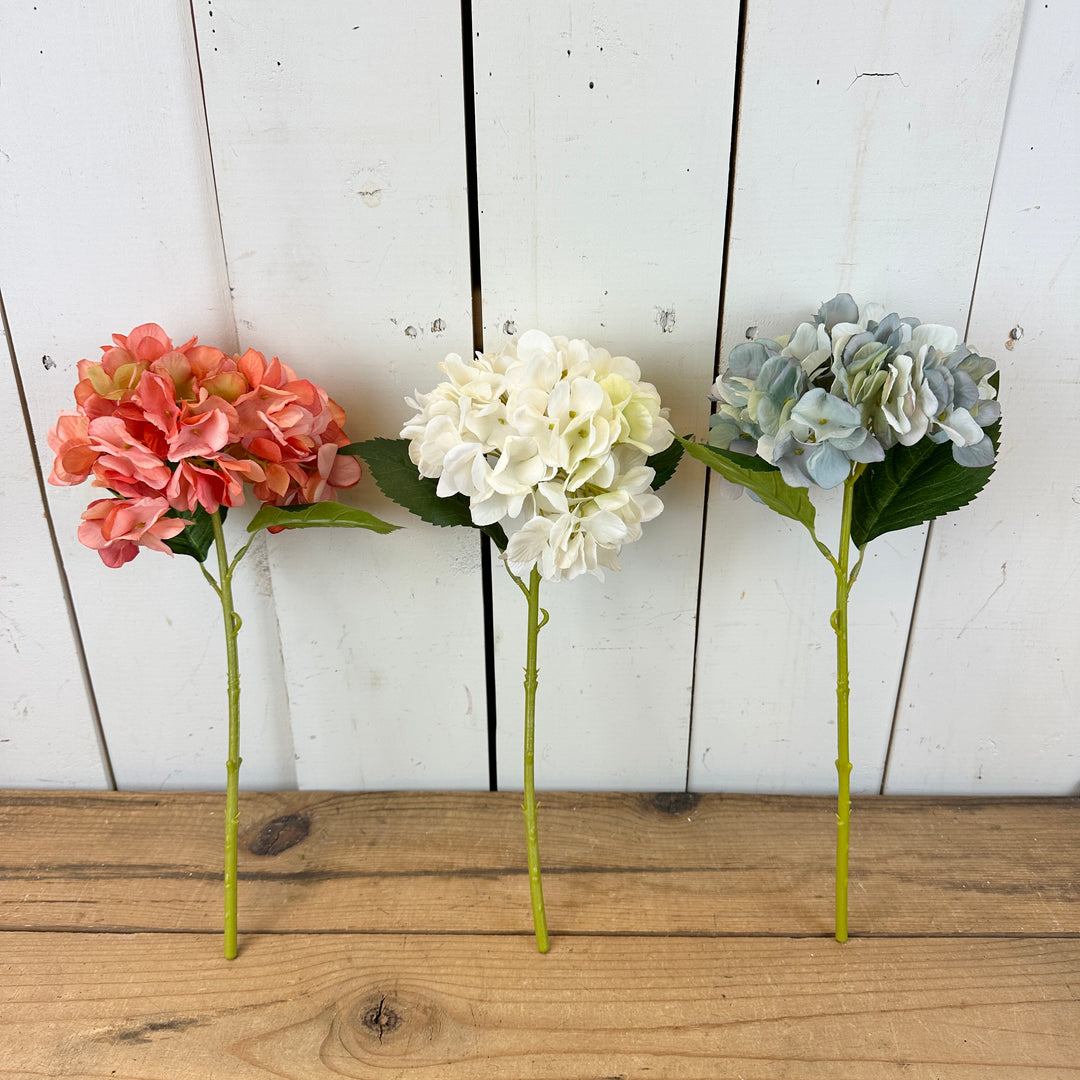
(649, 864)
(451, 1008)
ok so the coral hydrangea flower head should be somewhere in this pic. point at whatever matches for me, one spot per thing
(551, 433)
(174, 429)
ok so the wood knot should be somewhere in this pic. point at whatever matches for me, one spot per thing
(280, 834)
(675, 803)
(383, 1025)
(381, 1019)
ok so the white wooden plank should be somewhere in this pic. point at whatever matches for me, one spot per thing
(766, 604)
(109, 221)
(603, 137)
(992, 686)
(339, 150)
(864, 165)
(47, 735)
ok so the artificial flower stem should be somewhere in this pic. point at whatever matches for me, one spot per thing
(232, 765)
(536, 890)
(843, 756)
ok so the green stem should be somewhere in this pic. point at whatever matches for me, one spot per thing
(843, 757)
(536, 890)
(232, 789)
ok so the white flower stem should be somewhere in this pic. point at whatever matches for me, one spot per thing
(536, 891)
(232, 789)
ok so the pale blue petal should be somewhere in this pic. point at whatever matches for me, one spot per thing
(841, 308)
(828, 466)
(965, 392)
(982, 453)
(746, 360)
(827, 415)
(867, 451)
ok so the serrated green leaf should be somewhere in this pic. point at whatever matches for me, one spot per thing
(664, 464)
(758, 476)
(397, 478)
(912, 485)
(320, 515)
(198, 538)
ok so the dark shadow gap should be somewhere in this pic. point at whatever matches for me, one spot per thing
(469, 101)
(736, 104)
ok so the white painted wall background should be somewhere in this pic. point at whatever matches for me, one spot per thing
(298, 183)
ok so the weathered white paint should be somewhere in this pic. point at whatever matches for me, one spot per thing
(339, 150)
(47, 736)
(765, 702)
(602, 149)
(863, 165)
(991, 690)
(340, 164)
(109, 221)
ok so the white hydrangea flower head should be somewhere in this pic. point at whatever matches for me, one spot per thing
(552, 433)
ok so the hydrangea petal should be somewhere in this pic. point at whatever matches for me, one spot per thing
(975, 455)
(840, 309)
(943, 338)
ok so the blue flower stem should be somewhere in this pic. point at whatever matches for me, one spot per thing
(839, 622)
(232, 765)
(536, 889)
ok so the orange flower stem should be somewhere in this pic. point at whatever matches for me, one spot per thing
(232, 789)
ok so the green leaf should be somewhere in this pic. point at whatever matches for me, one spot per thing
(397, 478)
(759, 477)
(320, 515)
(665, 463)
(912, 485)
(198, 538)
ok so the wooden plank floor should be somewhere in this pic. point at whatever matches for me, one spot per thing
(388, 935)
